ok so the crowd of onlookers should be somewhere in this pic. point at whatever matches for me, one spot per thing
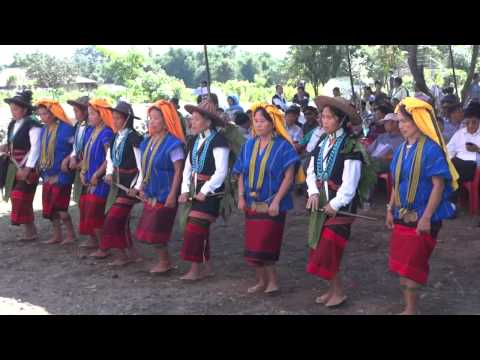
(458, 122)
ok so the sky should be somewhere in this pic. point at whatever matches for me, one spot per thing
(7, 51)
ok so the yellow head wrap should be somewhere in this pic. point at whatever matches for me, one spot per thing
(102, 106)
(171, 118)
(55, 108)
(279, 126)
(424, 118)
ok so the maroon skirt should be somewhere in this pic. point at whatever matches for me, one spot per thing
(410, 253)
(22, 196)
(196, 244)
(324, 261)
(92, 213)
(55, 198)
(116, 230)
(263, 237)
(156, 224)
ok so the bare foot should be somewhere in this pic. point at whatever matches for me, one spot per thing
(53, 240)
(335, 301)
(272, 288)
(407, 312)
(68, 241)
(89, 244)
(257, 288)
(99, 254)
(191, 276)
(120, 262)
(324, 298)
(162, 268)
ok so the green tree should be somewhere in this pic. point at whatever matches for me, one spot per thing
(315, 63)
(121, 68)
(179, 63)
(48, 71)
(89, 61)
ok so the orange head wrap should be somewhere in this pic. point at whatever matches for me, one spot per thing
(55, 108)
(279, 126)
(102, 107)
(170, 117)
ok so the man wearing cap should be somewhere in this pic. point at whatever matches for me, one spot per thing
(387, 143)
(23, 147)
(80, 109)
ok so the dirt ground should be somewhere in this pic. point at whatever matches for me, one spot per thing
(38, 279)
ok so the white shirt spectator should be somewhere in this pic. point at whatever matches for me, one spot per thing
(295, 133)
(457, 145)
(399, 93)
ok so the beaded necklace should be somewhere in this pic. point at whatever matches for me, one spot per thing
(119, 148)
(198, 164)
(322, 174)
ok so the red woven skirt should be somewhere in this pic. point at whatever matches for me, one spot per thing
(156, 224)
(263, 237)
(55, 198)
(409, 252)
(22, 202)
(116, 229)
(92, 213)
(196, 245)
(324, 261)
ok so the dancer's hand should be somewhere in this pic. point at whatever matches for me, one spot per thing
(389, 220)
(82, 180)
(64, 166)
(183, 198)
(131, 192)
(72, 163)
(273, 209)
(200, 197)
(423, 226)
(109, 179)
(327, 209)
(312, 202)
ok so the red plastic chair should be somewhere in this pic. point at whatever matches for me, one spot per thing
(387, 176)
(472, 188)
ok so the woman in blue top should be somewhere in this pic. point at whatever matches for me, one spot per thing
(163, 158)
(95, 190)
(266, 166)
(56, 145)
(423, 180)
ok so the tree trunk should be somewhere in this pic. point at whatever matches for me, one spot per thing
(471, 71)
(416, 70)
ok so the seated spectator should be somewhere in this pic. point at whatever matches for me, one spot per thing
(336, 92)
(385, 144)
(452, 121)
(295, 131)
(244, 123)
(279, 99)
(377, 128)
(399, 91)
(311, 114)
(464, 147)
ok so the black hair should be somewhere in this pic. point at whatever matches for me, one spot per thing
(448, 90)
(398, 80)
(452, 108)
(220, 110)
(377, 82)
(240, 118)
(473, 110)
(368, 88)
(199, 99)
(311, 108)
(385, 108)
(293, 110)
(336, 88)
(301, 87)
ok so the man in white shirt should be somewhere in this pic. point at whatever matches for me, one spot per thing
(464, 147)
(279, 99)
(295, 131)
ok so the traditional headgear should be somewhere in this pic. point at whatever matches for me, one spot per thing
(279, 126)
(207, 108)
(22, 98)
(103, 108)
(55, 108)
(170, 117)
(125, 109)
(341, 104)
(424, 118)
(81, 102)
